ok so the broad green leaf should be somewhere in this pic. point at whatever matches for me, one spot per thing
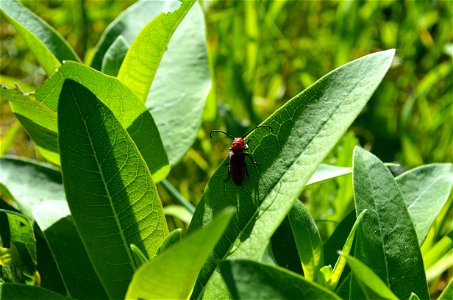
(304, 131)
(128, 24)
(23, 246)
(308, 241)
(143, 58)
(49, 48)
(325, 172)
(27, 292)
(180, 87)
(172, 274)
(38, 114)
(372, 286)
(114, 56)
(426, 190)
(109, 189)
(386, 239)
(448, 292)
(341, 261)
(55, 221)
(248, 279)
(30, 182)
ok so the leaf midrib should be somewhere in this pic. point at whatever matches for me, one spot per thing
(118, 223)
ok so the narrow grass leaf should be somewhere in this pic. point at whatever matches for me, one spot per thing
(386, 239)
(56, 223)
(172, 274)
(426, 190)
(304, 131)
(308, 241)
(248, 279)
(109, 189)
(49, 48)
(372, 286)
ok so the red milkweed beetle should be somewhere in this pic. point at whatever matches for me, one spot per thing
(237, 168)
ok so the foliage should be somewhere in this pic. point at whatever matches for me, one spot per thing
(117, 132)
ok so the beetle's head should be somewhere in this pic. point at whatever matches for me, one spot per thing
(239, 145)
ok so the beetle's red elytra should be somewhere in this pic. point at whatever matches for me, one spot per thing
(237, 168)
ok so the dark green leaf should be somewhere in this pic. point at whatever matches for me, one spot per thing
(55, 221)
(426, 190)
(386, 239)
(304, 131)
(109, 189)
(113, 58)
(252, 280)
(27, 292)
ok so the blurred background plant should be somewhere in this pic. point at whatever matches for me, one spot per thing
(263, 53)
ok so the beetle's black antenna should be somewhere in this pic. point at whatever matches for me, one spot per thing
(221, 131)
(266, 126)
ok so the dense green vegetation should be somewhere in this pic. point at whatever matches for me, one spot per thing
(260, 54)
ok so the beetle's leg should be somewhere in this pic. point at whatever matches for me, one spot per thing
(251, 157)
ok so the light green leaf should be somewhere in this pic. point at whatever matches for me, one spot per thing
(179, 212)
(27, 292)
(426, 190)
(49, 48)
(437, 251)
(308, 241)
(248, 279)
(172, 238)
(326, 172)
(341, 261)
(113, 58)
(128, 24)
(56, 223)
(143, 58)
(172, 274)
(304, 131)
(386, 239)
(30, 183)
(372, 286)
(109, 189)
(448, 292)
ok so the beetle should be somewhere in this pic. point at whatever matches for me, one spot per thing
(237, 168)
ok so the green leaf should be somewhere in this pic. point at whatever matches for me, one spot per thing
(27, 292)
(113, 58)
(326, 172)
(337, 271)
(372, 286)
(172, 274)
(55, 221)
(109, 189)
(248, 279)
(386, 238)
(30, 183)
(426, 190)
(49, 48)
(144, 56)
(179, 212)
(171, 239)
(308, 241)
(448, 292)
(38, 114)
(437, 251)
(304, 131)
(128, 24)
(23, 246)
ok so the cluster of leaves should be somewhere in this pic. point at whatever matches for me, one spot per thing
(92, 224)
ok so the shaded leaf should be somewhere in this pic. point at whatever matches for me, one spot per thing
(113, 58)
(304, 131)
(386, 239)
(252, 280)
(109, 189)
(27, 292)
